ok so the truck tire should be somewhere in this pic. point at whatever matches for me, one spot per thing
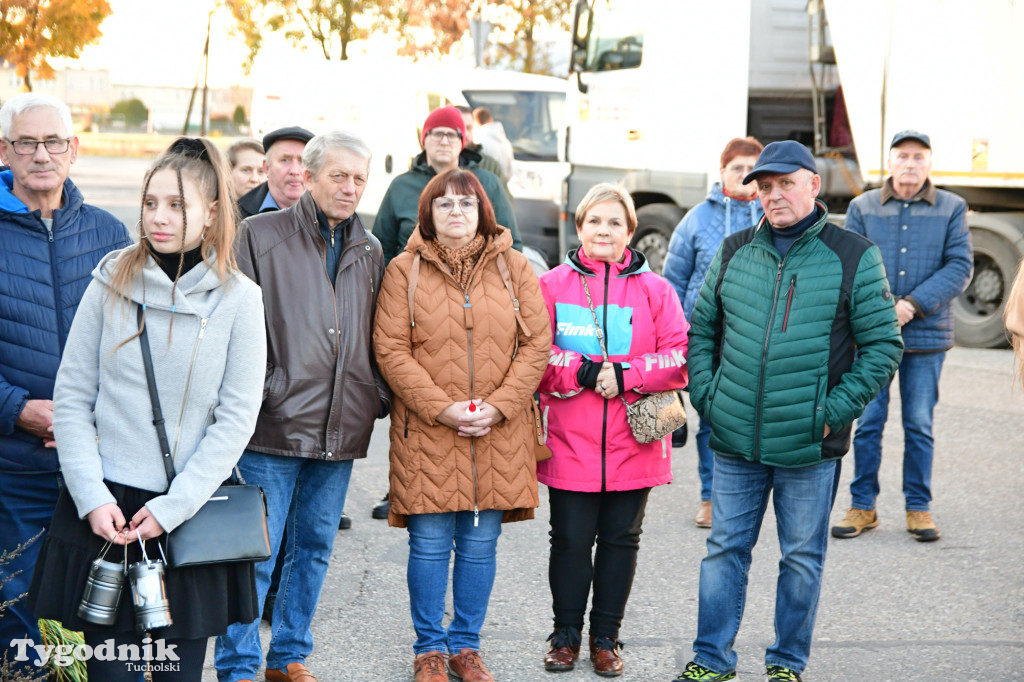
(978, 312)
(655, 224)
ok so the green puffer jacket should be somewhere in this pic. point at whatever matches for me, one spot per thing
(780, 347)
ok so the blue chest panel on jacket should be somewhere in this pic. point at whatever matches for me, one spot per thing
(574, 329)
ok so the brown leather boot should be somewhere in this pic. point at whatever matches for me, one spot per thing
(604, 652)
(703, 518)
(429, 667)
(565, 649)
(293, 672)
(467, 666)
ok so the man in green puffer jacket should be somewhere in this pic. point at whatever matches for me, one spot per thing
(793, 333)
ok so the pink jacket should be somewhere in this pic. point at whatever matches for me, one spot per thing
(592, 445)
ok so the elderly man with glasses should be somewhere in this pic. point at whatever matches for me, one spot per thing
(51, 242)
(443, 140)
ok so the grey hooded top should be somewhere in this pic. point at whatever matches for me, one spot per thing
(209, 369)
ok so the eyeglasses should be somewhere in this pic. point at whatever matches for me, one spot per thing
(447, 205)
(29, 147)
(739, 170)
(440, 135)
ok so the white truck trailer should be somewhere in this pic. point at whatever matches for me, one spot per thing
(658, 86)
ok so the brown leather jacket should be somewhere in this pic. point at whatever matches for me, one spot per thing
(456, 352)
(323, 390)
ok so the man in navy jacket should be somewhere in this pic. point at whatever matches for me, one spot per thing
(51, 240)
(926, 247)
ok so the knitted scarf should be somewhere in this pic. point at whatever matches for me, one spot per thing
(461, 261)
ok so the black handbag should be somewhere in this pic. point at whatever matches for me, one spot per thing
(231, 526)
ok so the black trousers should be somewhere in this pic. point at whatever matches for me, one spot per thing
(614, 520)
(188, 668)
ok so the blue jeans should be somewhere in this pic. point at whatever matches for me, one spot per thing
(27, 501)
(705, 459)
(919, 391)
(802, 499)
(431, 540)
(307, 496)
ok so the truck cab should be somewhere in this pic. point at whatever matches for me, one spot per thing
(657, 87)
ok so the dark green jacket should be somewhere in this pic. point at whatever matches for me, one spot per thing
(397, 215)
(781, 347)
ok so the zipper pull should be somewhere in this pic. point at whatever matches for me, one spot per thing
(476, 517)
(202, 326)
(332, 236)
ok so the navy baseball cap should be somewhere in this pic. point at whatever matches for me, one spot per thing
(781, 158)
(905, 135)
(289, 133)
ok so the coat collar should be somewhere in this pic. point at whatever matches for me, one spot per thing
(927, 193)
(637, 263)
(152, 286)
(305, 212)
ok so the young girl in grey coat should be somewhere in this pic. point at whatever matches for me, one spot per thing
(205, 325)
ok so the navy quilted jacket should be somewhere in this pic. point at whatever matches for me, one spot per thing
(43, 275)
(926, 248)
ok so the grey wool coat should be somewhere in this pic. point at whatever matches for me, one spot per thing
(209, 368)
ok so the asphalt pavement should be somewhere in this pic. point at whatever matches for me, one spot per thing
(891, 608)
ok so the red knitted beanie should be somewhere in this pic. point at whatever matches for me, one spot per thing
(445, 117)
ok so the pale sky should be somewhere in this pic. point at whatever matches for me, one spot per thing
(160, 42)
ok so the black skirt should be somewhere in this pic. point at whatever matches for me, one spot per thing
(204, 600)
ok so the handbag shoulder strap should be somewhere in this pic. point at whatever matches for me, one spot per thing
(597, 325)
(506, 277)
(158, 417)
(600, 332)
(414, 276)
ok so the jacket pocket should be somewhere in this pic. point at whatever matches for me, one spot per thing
(818, 418)
(272, 383)
(712, 392)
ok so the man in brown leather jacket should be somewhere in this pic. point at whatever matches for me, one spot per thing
(320, 271)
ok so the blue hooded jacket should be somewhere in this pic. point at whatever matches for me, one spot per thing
(43, 275)
(697, 237)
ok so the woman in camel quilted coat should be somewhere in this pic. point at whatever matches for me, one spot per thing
(462, 337)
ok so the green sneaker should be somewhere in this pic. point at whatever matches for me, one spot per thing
(699, 672)
(776, 673)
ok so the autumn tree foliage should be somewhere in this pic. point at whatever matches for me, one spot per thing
(330, 25)
(33, 31)
(433, 27)
(521, 19)
(422, 27)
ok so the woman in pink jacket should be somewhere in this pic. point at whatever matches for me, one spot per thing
(599, 476)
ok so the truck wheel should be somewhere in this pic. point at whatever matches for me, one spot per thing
(655, 224)
(978, 312)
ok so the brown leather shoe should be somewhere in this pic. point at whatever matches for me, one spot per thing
(604, 652)
(296, 672)
(703, 518)
(429, 667)
(565, 649)
(467, 666)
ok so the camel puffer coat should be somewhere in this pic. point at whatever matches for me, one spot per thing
(463, 345)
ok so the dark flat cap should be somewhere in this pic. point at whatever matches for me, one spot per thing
(780, 158)
(905, 135)
(289, 133)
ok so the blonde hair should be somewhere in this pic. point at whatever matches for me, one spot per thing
(1013, 317)
(200, 161)
(606, 191)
